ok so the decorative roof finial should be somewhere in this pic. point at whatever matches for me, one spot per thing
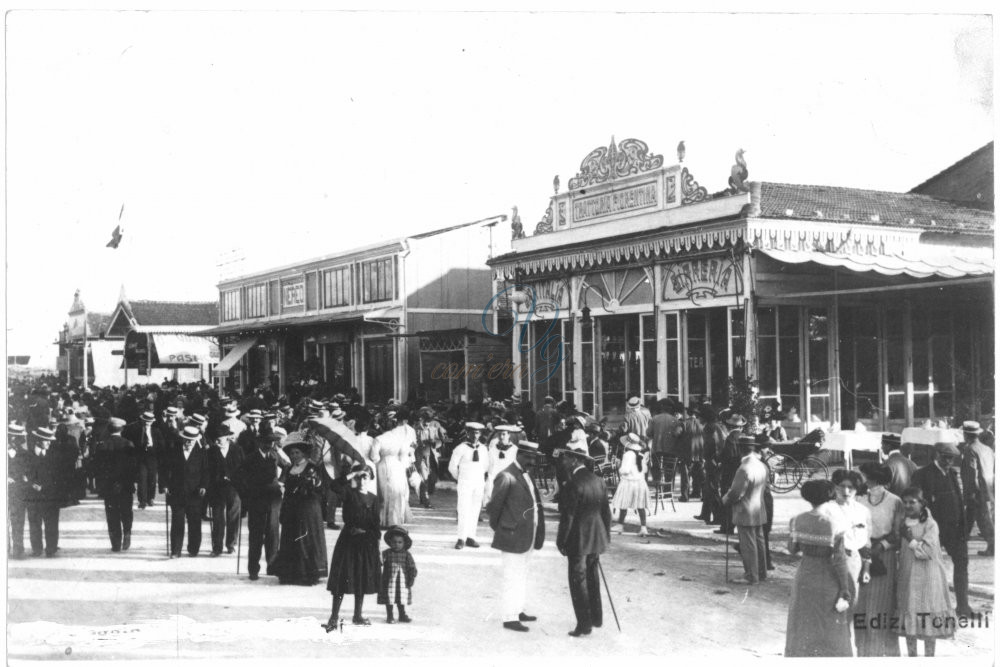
(555, 184)
(122, 298)
(680, 151)
(516, 228)
(738, 174)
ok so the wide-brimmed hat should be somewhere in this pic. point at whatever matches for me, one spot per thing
(398, 530)
(508, 428)
(425, 411)
(528, 446)
(147, 416)
(301, 445)
(190, 433)
(736, 419)
(255, 414)
(634, 402)
(232, 411)
(631, 441)
(578, 449)
(361, 469)
(971, 427)
(474, 426)
(116, 423)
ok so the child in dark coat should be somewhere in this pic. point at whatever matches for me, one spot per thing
(398, 573)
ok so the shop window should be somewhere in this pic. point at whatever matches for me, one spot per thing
(649, 376)
(231, 305)
(378, 280)
(337, 287)
(547, 348)
(673, 359)
(778, 356)
(613, 355)
(697, 346)
(567, 364)
(257, 301)
(933, 365)
(587, 366)
(818, 335)
(859, 366)
(895, 364)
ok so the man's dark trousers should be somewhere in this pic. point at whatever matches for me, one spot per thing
(118, 511)
(225, 519)
(262, 521)
(585, 591)
(146, 488)
(47, 512)
(191, 510)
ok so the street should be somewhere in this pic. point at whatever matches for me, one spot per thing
(670, 594)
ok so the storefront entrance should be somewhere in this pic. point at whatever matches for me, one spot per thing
(337, 366)
(379, 367)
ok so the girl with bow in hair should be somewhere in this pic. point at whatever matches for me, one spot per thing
(632, 492)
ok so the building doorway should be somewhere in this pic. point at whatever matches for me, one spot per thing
(337, 365)
(379, 370)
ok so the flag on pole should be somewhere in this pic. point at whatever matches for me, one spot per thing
(116, 236)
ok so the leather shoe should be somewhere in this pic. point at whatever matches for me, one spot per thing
(525, 618)
(254, 576)
(987, 552)
(517, 626)
(578, 632)
(471, 543)
(230, 550)
(126, 541)
(459, 544)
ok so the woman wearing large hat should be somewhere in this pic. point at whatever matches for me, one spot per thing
(355, 566)
(302, 552)
(632, 492)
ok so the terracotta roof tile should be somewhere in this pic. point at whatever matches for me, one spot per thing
(176, 313)
(873, 207)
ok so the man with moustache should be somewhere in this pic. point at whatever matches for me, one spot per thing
(584, 534)
(187, 482)
(116, 465)
(225, 466)
(518, 523)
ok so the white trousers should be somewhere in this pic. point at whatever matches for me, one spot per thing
(470, 502)
(515, 584)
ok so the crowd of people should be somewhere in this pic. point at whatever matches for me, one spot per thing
(871, 546)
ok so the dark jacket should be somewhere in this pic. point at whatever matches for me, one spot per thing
(584, 515)
(136, 434)
(49, 473)
(186, 477)
(945, 500)
(510, 511)
(224, 472)
(260, 476)
(115, 465)
(18, 467)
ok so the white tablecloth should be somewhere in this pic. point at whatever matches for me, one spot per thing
(848, 441)
(930, 436)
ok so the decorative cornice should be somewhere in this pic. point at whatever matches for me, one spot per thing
(691, 192)
(602, 164)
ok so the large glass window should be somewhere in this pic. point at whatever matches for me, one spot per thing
(231, 305)
(257, 301)
(859, 366)
(778, 355)
(546, 377)
(895, 378)
(587, 365)
(337, 287)
(673, 359)
(613, 355)
(697, 353)
(649, 380)
(818, 335)
(378, 280)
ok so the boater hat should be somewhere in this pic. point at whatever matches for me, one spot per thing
(360, 469)
(634, 402)
(232, 411)
(398, 530)
(15, 429)
(255, 414)
(736, 419)
(474, 426)
(631, 441)
(528, 446)
(576, 448)
(173, 411)
(971, 427)
(508, 428)
(191, 433)
(199, 420)
(147, 416)
(116, 423)
(42, 433)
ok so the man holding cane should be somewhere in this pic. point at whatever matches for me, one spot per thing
(584, 534)
(262, 496)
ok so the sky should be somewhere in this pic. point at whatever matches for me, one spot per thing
(277, 136)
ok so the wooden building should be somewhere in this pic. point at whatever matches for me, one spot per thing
(843, 304)
(378, 318)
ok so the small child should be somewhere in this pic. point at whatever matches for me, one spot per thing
(923, 603)
(398, 572)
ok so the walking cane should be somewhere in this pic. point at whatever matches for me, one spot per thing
(166, 517)
(608, 591)
(239, 543)
(727, 556)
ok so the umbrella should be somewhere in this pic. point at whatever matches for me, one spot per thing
(341, 438)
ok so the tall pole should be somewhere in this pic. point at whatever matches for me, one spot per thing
(86, 344)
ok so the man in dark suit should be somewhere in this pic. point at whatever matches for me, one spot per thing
(115, 466)
(18, 488)
(149, 444)
(978, 462)
(187, 481)
(46, 492)
(746, 498)
(515, 511)
(261, 495)
(942, 487)
(546, 423)
(584, 534)
(225, 464)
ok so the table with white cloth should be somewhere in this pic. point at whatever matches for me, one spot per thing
(848, 441)
(927, 437)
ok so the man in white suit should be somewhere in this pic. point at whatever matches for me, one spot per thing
(746, 497)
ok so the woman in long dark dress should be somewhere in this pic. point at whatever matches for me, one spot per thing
(302, 553)
(356, 566)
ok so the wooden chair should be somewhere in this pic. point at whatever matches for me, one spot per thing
(663, 481)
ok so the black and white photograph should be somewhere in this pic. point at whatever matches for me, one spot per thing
(550, 333)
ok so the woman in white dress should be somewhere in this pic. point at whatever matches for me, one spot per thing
(392, 451)
(632, 492)
(855, 521)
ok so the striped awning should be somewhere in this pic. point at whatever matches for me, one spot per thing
(916, 261)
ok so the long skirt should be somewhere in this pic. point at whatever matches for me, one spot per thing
(631, 494)
(815, 628)
(356, 566)
(876, 606)
(393, 493)
(301, 555)
(923, 601)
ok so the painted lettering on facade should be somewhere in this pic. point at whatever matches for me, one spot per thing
(630, 199)
(701, 279)
(294, 294)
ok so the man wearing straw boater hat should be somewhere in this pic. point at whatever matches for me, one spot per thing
(262, 498)
(584, 534)
(978, 479)
(148, 442)
(187, 482)
(115, 467)
(46, 491)
(247, 440)
(518, 523)
(18, 458)
(225, 466)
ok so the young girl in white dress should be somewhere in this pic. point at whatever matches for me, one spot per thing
(632, 492)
